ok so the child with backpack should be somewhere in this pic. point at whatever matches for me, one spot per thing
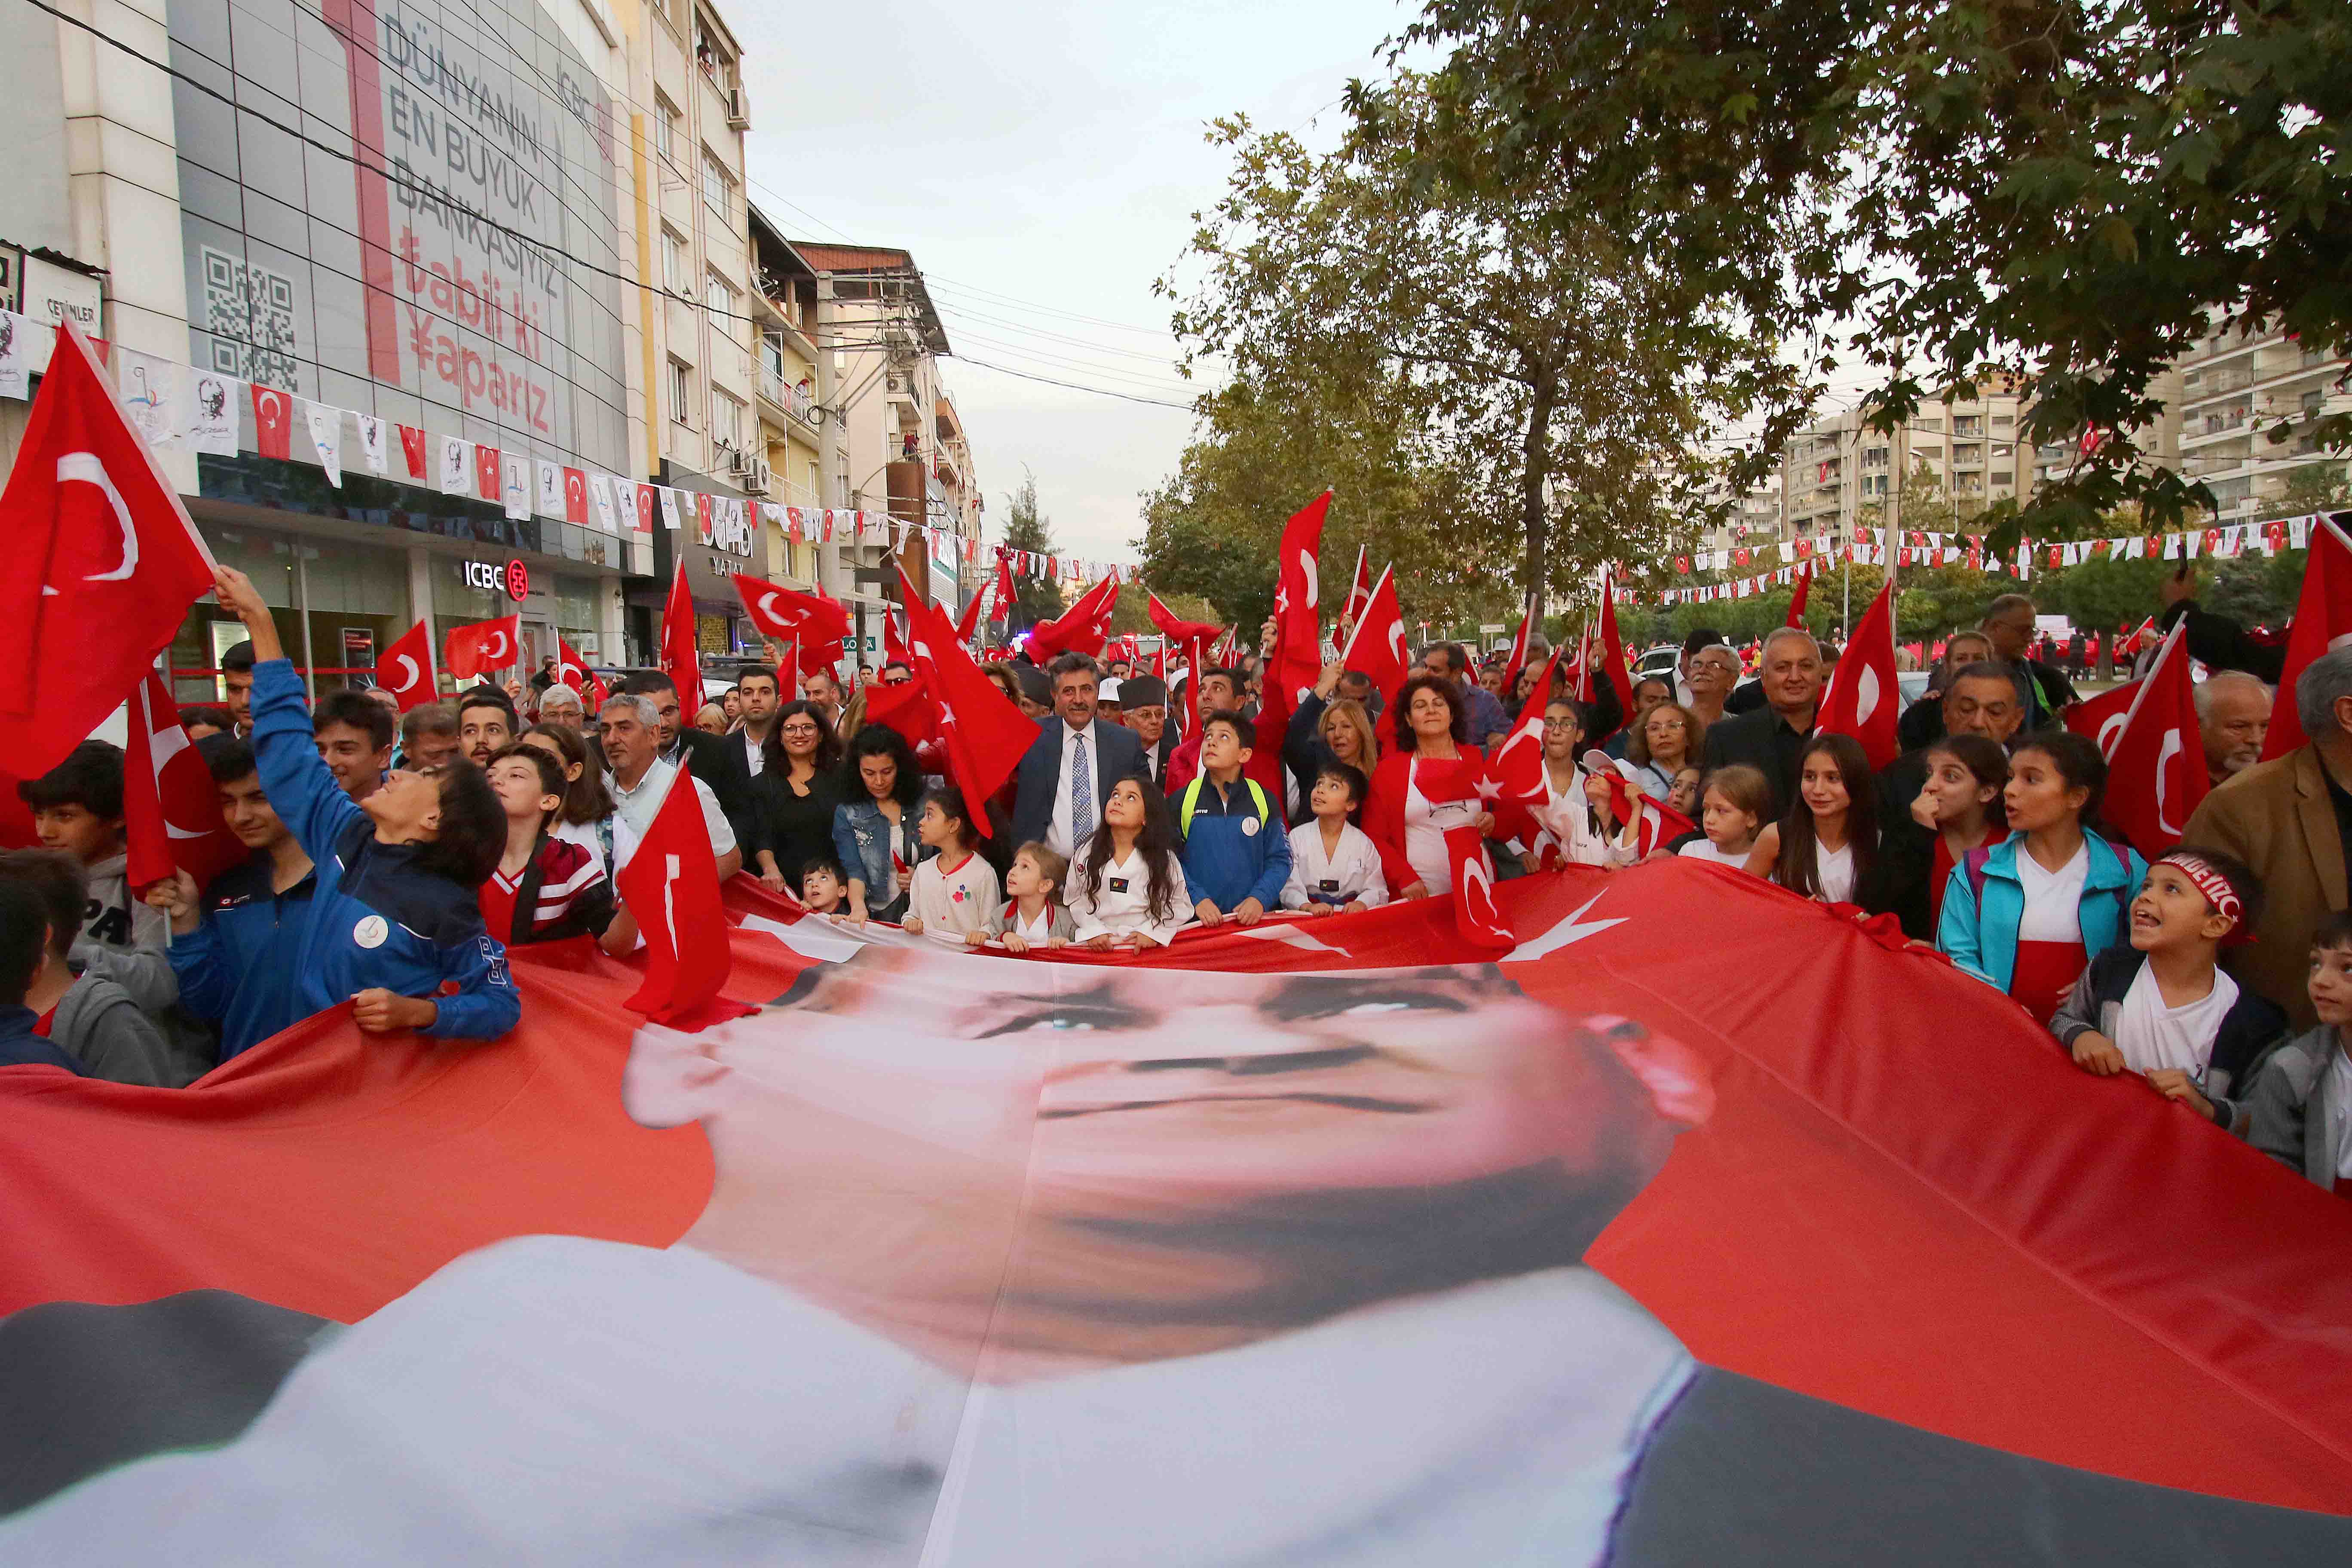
(1236, 854)
(2026, 915)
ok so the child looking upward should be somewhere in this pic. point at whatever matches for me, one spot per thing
(1035, 916)
(1335, 868)
(1237, 857)
(2158, 1005)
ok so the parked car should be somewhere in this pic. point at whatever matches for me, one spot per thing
(1659, 660)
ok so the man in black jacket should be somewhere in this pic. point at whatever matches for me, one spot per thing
(1060, 786)
(1771, 738)
(2009, 622)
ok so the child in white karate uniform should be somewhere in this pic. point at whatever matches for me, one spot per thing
(1335, 868)
(1129, 891)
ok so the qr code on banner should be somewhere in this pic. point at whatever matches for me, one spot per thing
(249, 311)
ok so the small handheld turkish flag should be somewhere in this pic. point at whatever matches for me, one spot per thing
(2322, 617)
(1863, 696)
(786, 614)
(170, 809)
(1480, 923)
(1360, 592)
(273, 421)
(1517, 765)
(1084, 627)
(983, 732)
(2155, 768)
(670, 884)
(1609, 654)
(1377, 650)
(482, 647)
(407, 669)
(103, 563)
(1804, 589)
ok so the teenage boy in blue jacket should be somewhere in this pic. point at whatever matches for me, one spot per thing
(234, 945)
(395, 918)
(1237, 852)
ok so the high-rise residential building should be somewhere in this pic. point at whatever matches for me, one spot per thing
(2232, 388)
(704, 309)
(797, 429)
(901, 446)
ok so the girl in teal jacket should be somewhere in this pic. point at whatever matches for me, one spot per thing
(2027, 915)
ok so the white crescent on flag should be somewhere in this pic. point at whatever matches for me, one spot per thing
(85, 468)
(2164, 756)
(413, 673)
(1866, 696)
(1313, 583)
(497, 651)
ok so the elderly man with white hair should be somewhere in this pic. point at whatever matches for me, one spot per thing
(630, 728)
(560, 704)
(2290, 820)
(2233, 715)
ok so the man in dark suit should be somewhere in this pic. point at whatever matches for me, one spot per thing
(1058, 790)
(716, 760)
(1147, 715)
(1770, 738)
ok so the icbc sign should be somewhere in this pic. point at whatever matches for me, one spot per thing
(513, 579)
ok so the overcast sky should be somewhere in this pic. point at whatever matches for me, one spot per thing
(1042, 162)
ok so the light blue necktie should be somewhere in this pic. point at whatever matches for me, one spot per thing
(1082, 791)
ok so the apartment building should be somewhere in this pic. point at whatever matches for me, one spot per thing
(900, 447)
(2230, 390)
(704, 309)
(795, 386)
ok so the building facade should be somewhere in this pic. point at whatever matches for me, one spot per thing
(797, 425)
(2227, 392)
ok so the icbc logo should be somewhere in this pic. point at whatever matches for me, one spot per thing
(513, 579)
(518, 581)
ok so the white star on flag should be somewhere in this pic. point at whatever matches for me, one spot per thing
(1569, 931)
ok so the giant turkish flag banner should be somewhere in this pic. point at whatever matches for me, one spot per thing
(679, 658)
(671, 886)
(1377, 650)
(481, 647)
(2323, 619)
(102, 564)
(2155, 768)
(406, 667)
(1863, 699)
(170, 809)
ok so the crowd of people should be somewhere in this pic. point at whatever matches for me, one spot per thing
(393, 859)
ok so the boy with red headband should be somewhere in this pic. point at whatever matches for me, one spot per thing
(2162, 1007)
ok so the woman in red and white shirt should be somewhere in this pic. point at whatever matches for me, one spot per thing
(1433, 724)
(545, 888)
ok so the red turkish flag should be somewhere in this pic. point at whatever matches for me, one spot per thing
(986, 735)
(1377, 651)
(102, 564)
(1516, 764)
(1476, 918)
(412, 447)
(671, 886)
(1797, 599)
(1360, 592)
(2156, 769)
(485, 473)
(1297, 657)
(1003, 609)
(969, 621)
(680, 660)
(787, 613)
(894, 641)
(906, 707)
(273, 421)
(648, 502)
(171, 810)
(570, 668)
(1084, 627)
(1863, 699)
(2101, 717)
(1177, 630)
(1519, 658)
(1660, 823)
(2323, 619)
(1611, 653)
(575, 497)
(407, 669)
(482, 647)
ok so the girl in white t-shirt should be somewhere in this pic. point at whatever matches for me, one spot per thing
(1827, 843)
(954, 895)
(1129, 891)
(1738, 799)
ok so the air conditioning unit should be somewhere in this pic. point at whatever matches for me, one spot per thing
(762, 479)
(738, 109)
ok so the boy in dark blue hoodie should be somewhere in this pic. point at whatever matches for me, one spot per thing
(1237, 852)
(395, 927)
(23, 949)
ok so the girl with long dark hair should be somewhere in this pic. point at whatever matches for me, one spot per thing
(874, 830)
(1129, 888)
(1826, 846)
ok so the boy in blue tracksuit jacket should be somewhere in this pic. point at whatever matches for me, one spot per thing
(394, 912)
(1237, 852)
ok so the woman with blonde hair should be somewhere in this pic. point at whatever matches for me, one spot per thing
(1664, 741)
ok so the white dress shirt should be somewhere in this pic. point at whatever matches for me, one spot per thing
(633, 811)
(1058, 831)
(754, 752)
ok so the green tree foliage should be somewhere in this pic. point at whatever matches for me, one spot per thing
(1035, 599)
(2058, 191)
(1494, 353)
